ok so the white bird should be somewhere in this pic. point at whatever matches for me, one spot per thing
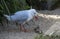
(22, 17)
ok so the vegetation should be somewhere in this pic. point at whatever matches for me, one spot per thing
(40, 36)
(56, 5)
(11, 6)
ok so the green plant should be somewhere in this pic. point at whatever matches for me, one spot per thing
(40, 36)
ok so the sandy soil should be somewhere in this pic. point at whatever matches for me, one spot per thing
(17, 35)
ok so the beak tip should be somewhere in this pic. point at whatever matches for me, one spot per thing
(36, 17)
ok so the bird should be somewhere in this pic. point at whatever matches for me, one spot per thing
(22, 17)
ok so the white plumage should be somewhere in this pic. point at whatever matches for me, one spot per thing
(22, 17)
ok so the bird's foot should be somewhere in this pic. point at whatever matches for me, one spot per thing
(26, 30)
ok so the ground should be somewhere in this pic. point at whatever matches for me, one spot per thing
(46, 20)
(17, 35)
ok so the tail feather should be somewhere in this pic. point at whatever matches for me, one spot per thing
(7, 17)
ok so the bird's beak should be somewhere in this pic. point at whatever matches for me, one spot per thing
(36, 17)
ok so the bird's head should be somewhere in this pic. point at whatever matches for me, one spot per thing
(35, 13)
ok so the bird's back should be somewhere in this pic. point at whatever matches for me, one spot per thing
(21, 17)
(20, 12)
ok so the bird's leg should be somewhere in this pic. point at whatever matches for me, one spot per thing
(22, 28)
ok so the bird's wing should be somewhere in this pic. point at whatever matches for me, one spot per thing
(21, 17)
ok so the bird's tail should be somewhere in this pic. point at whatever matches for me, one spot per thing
(6, 16)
